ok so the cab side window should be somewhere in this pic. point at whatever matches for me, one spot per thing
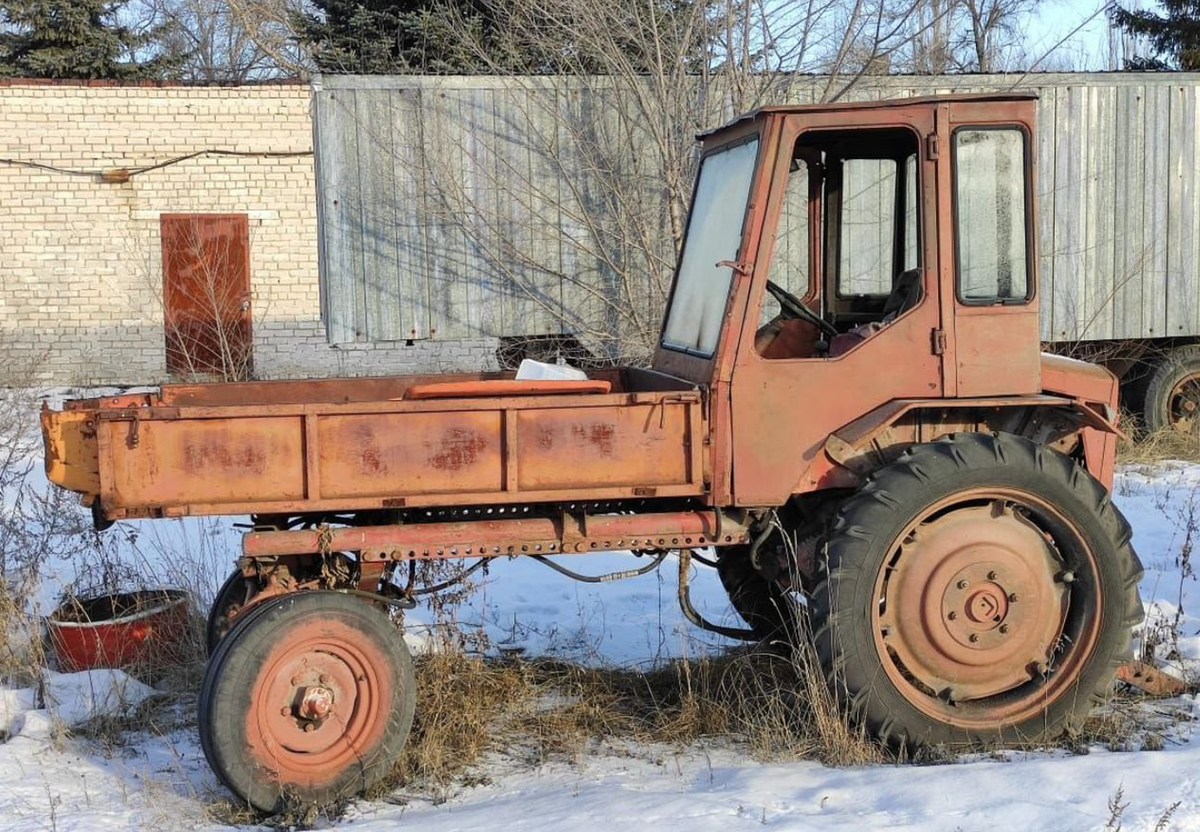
(790, 263)
(868, 227)
(990, 202)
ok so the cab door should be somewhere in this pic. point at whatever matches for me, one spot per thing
(784, 408)
(990, 286)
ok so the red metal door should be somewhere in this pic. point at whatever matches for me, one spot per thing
(989, 217)
(206, 294)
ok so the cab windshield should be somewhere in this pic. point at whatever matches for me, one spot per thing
(714, 235)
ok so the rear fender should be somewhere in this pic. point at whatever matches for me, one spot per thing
(876, 438)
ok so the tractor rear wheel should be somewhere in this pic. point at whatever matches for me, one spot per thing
(231, 597)
(308, 700)
(979, 589)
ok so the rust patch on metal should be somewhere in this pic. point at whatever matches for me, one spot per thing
(598, 434)
(216, 452)
(460, 449)
(371, 462)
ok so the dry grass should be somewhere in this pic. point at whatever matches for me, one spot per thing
(1143, 448)
(778, 706)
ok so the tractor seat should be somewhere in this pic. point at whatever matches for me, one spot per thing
(503, 387)
(905, 295)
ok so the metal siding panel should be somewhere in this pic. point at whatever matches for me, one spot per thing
(381, 267)
(1154, 210)
(1117, 181)
(542, 309)
(512, 210)
(442, 145)
(1098, 283)
(1045, 144)
(1181, 212)
(581, 211)
(1181, 229)
(1128, 236)
(355, 214)
(338, 222)
(1068, 220)
(408, 174)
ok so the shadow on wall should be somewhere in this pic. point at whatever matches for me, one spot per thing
(135, 354)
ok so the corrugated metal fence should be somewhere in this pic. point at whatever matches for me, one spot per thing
(443, 216)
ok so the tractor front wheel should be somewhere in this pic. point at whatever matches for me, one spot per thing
(979, 589)
(307, 701)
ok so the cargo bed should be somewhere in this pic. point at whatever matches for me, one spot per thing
(349, 445)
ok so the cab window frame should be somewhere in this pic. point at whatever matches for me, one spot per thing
(831, 267)
(739, 255)
(1027, 178)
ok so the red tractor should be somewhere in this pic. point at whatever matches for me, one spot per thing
(848, 402)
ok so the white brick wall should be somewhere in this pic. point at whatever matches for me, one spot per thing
(81, 261)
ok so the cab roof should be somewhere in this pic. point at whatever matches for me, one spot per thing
(880, 104)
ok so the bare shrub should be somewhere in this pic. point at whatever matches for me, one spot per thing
(37, 525)
(575, 192)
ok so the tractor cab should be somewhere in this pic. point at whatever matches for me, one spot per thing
(840, 257)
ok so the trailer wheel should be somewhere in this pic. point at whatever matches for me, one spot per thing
(764, 605)
(1173, 392)
(979, 589)
(309, 700)
(231, 597)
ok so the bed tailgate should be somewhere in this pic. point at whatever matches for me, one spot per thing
(154, 461)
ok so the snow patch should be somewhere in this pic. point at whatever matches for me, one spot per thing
(69, 699)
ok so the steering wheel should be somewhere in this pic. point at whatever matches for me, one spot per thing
(796, 308)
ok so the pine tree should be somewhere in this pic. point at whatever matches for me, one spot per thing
(1175, 38)
(383, 36)
(74, 39)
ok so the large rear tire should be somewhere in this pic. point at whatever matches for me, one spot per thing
(980, 589)
(308, 700)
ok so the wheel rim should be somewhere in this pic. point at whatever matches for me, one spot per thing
(1183, 404)
(319, 705)
(996, 616)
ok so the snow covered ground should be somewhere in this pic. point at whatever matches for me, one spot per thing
(159, 780)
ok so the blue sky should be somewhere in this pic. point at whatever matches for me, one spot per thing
(1057, 19)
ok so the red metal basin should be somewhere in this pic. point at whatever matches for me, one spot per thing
(128, 630)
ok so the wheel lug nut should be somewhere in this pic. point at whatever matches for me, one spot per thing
(962, 584)
(285, 711)
(973, 638)
(323, 679)
(309, 728)
(1012, 597)
(1067, 577)
(296, 680)
(991, 576)
(952, 615)
(1003, 629)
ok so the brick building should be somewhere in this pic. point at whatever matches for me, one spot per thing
(94, 177)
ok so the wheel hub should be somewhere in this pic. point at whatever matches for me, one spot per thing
(1183, 405)
(971, 604)
(316, 704)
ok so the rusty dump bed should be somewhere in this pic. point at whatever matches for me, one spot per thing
(341, 445)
